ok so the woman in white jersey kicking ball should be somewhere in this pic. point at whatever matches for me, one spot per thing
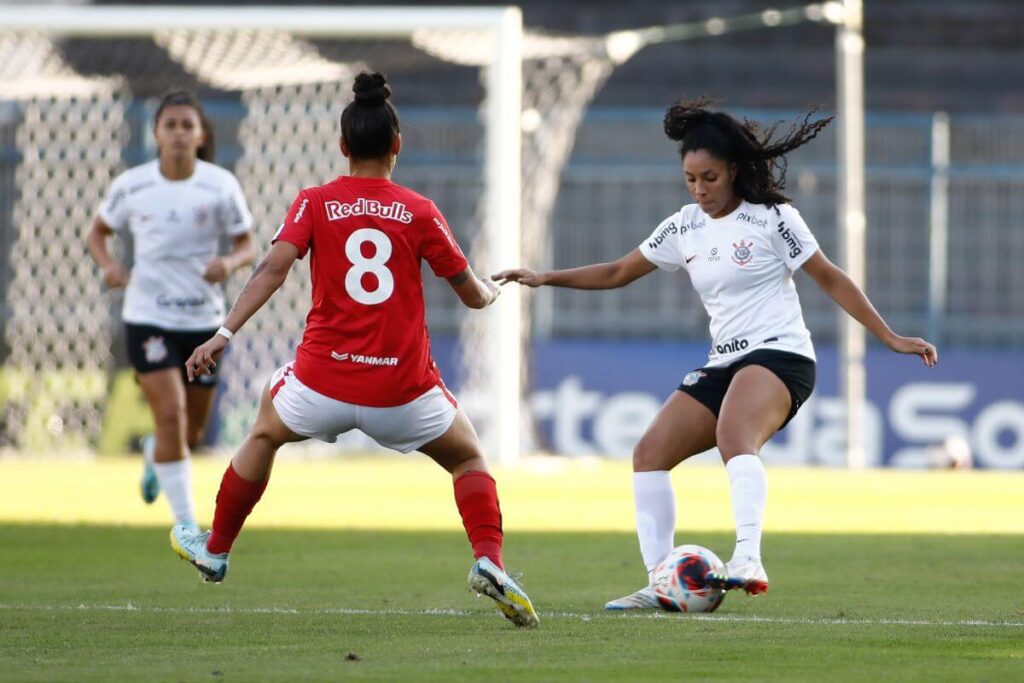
(740, 244)
(176, 209)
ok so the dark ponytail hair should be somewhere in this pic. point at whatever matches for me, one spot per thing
(760, 161)
(369, 124)
(187, 98)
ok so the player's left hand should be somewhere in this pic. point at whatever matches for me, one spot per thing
(216, 270)
(204, 359)
(917, 346)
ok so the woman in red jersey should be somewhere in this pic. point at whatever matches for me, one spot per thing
(364, 361)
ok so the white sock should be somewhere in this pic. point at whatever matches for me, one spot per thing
(655, 515)
(176, 482)
(149, 448)
(749, 495)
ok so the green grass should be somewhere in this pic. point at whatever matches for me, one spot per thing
(81, 603)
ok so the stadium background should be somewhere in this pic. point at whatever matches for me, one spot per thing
(352, 567)
(600, 360)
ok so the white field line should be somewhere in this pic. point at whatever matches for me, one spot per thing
(723, 618)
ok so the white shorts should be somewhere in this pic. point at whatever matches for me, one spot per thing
(403, 428)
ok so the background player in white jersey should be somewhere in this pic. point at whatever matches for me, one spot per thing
(364, 361)
(175, 209)
(740, 244)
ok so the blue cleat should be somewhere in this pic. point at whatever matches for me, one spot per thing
(190, 545)
(487, 579)
(149, 484)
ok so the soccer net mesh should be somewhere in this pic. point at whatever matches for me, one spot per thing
(70, 101)
(78, 112)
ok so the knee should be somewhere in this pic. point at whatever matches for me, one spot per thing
(732, 442)
(195, 437)
(267, 434)
(645, 457)
(169, 416)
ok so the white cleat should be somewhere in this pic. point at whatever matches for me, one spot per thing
(490, 580)
(642, 599)
(740, 572)
(190, 545)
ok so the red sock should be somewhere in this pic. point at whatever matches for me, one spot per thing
(235, 500)
(476, 495)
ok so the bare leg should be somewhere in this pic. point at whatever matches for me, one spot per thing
(458, 450)
(165, 392)
(198, 403)
(255, 457)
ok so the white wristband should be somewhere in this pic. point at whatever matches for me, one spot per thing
(226, 333)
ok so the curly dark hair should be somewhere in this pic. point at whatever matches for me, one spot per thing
(760, 161)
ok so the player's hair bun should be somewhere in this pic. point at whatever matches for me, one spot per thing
(371, 89)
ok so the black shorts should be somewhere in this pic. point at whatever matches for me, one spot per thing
(153, 348)
(708, 385)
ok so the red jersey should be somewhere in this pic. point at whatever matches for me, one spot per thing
(366, 339)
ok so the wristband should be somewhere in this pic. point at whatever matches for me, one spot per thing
(226, 333)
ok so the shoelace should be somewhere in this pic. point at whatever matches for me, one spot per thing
(517, 578)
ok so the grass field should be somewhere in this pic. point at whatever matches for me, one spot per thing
(876, 575)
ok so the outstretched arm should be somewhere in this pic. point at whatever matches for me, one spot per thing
(597, 276)
(849, 296)
(266, 279)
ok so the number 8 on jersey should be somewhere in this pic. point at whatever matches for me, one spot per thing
(374, 265)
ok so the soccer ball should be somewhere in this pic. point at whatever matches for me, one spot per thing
(679, 580)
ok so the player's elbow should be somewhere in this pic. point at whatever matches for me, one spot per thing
(617, 276)
(273, 273)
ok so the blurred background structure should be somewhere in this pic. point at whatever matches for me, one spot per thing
(944, 204)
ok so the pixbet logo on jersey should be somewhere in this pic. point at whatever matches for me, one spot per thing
(337, 211)
(752, 219)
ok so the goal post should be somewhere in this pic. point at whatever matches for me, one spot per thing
(537, 86)
(502, 81)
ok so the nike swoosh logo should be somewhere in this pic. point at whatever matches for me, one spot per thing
(691, 258)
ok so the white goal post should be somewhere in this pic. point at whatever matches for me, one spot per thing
(502, 137)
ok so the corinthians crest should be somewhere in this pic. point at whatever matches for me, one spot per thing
(155, 348)
(742, 253)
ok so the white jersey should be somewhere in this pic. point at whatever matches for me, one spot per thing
(742, 267)
(176, 226)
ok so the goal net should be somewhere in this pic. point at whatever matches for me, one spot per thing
(77, 89)
(489, 118)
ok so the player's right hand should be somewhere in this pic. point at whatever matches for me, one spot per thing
(520, 275)
(115, 276)
(492, 289)
(204, 359)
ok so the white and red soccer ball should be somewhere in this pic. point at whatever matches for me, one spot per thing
(679, 580)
